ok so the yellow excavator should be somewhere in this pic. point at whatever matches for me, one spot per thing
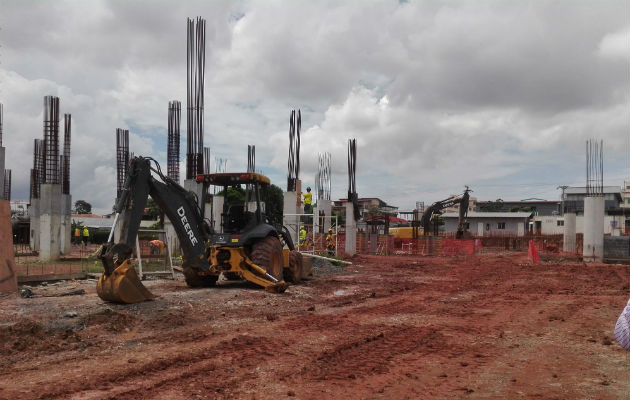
(248, 244)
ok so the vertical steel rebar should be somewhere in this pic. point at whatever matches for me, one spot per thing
(1, 122)
(51, 140)
(6, 193)
(323, 182)
(594, 168)
(122, 158)
(196, 64)
(206, 160)
(65, 182)
(352, 170)
(295, 124)
(174, 118)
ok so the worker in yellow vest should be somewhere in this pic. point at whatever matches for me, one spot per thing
(308, 201)
(86, 235)
(77, 235)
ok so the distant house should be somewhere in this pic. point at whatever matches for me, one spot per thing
(538, 206)
(366, 205)
(490, 223)
(574, 199)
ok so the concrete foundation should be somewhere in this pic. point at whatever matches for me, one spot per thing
(292, 222)
(351, 231)
(66, 224)
(49, 222)
(568, 243)
(33, 212)
(593, 247)
(8, 272)
(217, 209)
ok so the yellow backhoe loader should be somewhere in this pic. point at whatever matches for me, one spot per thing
(247, 244)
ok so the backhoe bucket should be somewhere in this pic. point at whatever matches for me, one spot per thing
(123, 286)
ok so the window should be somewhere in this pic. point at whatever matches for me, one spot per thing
(487, 227)
(560, 222)
(466, 225)
(501, 225)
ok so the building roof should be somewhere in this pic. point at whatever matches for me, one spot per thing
(475, 214)
(582, 189)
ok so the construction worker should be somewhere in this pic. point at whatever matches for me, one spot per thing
(330, 242)
(77, 235)
(156, 246)
(308, 201)
(302, 234)
(86, 235)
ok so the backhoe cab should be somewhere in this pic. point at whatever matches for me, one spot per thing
(246, 243)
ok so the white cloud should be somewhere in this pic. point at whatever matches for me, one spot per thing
(438, 94)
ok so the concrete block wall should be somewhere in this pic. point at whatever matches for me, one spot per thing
(617, 249)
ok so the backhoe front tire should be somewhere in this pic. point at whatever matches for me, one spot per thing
(267, 253)
(195, 280)
(293, 274)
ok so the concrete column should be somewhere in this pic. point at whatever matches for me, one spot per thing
(66, 224)
(351, 230)
(291, 222)
(568, 243)
(326, 207)
(8, 272)
(593, 247)
(33, 212)
(217, 209)
(197, 188)
(50, 222)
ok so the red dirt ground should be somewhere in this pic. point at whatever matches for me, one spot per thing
(491, 327)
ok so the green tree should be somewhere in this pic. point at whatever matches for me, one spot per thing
(155, 212)
(82, 207)
(274, 202)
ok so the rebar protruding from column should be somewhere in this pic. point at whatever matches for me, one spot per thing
(7, 185)
(352, 170)
(295, 125)
(122, 158)
(174, 118)
(220, 165)
(37, 170)
(323, 182)
(51, 139)
(206, 160)
(251, 158)
(65, 165)
(196, 64)
(1, 123)
(594, 168)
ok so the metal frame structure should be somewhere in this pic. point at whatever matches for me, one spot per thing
(352, 171)
(323, 178)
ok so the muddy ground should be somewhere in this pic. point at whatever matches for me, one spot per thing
(490, 326)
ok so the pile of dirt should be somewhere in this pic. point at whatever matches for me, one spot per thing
(113, 321)
(33, 336)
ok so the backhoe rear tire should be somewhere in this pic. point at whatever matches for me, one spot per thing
(267, 253)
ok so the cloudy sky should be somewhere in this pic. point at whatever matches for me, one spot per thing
(497, 95)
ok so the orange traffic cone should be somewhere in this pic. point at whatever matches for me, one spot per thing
(532, 253)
